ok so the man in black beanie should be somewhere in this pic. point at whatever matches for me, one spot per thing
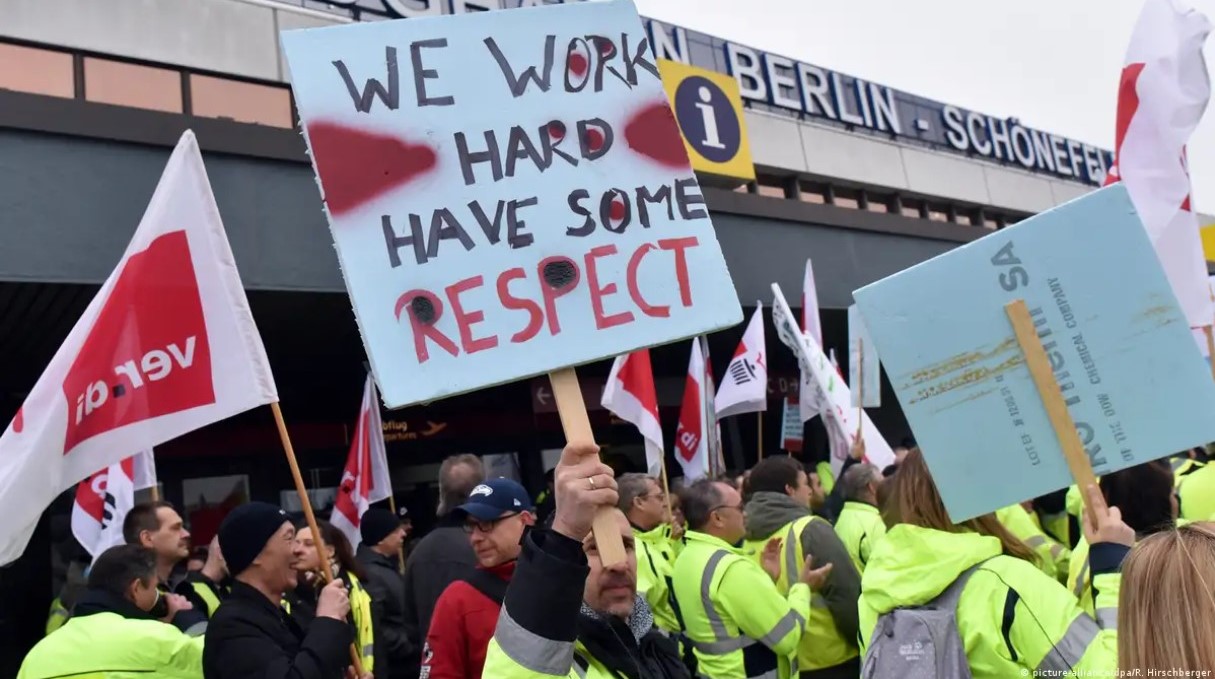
(382, 535)
(250, 636)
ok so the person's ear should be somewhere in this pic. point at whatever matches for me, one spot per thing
(529, 519)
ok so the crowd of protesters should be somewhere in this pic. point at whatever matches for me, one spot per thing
(776, 572)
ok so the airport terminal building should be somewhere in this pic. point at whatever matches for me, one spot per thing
(796, 161)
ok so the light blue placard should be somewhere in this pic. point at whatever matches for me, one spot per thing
(862, 351)
(386, 173)
(1119, 346)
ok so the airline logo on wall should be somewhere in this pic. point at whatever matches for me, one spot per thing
(709, 111)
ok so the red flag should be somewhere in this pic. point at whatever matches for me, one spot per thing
(629, 394)
(168, 345)
(365, 479)
(1162, 94)
(692, 443)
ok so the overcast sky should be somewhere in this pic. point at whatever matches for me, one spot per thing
(1052, 63)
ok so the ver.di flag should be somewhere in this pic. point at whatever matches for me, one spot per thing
(167, 346)
(365, 480)
(629, 394)
(744, 389)
(103, 500)
(1162, 95)
(692, 442)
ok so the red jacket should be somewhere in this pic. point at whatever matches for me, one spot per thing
(463, 623)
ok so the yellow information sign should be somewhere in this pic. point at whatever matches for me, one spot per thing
(710, 115)
(1208, 239)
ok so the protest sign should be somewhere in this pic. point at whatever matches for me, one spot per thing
(864, 371)
(1117, 343)
(792, 427)
(508, 194)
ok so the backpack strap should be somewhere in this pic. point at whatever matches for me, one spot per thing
(948, 600)
(488, 584)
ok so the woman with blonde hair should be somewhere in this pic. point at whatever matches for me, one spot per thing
(1012, 618)
(1166, 614)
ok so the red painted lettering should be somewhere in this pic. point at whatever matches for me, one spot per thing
(465, 320)
(635, 292)
(535, 315)
(425, 310)
(681, 264)
(603, 322)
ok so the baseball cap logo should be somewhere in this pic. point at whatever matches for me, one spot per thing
(481, 490)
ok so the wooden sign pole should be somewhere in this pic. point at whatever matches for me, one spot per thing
(577, 426)
(1207, 329)
(1051, 394)
(317, 538)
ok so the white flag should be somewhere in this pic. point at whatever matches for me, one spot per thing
(744, 389)
(167, 346)
(104, 499)
(839, 416)
(365, 479)
(808, 403)
(692, 440)
(1162, 95)
(629, 394)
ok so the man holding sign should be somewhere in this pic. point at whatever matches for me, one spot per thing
(566, 614)
(509, 196)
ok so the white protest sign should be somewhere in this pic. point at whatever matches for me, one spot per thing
(508, 194)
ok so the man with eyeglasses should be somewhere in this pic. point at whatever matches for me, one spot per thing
(740, 624)
(495, 517)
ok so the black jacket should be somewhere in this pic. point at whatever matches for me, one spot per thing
(93, 601)
(387, 589)
(251, 637)
(441, 558)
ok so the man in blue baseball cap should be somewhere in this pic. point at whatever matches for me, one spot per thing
(496, 515)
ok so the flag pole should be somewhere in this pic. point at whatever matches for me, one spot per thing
(317, 538)
(155, 491)
(860, 387)
(392, 506)
(713, 446)
(666, 490)
(759, 419)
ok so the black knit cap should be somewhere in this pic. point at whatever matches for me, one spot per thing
(376, 524)
(246, 530)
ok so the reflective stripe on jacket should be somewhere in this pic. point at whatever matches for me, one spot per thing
(822, 645)
(109, 646)
(364, 630)
(1013, 619)
(740, 625)
(860, 527)
(1053, 558)
(655, 563)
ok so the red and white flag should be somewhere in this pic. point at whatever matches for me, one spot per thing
(629, 394)
(809, 403)
(167, 346)
(745, 386)
(1163, 93)
(693, 444)
(103, 500)
(365, 480)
